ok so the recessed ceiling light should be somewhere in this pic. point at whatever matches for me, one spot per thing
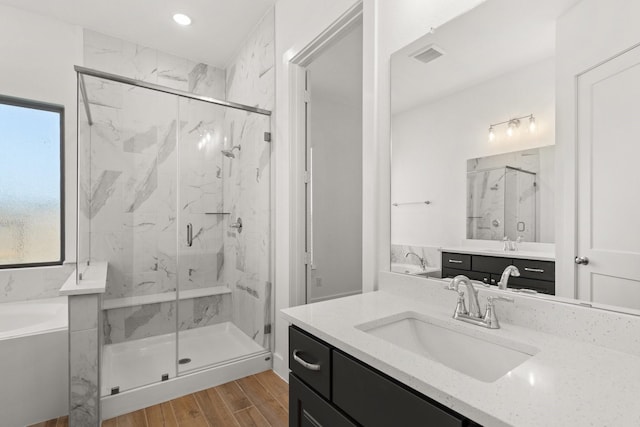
(182, 19)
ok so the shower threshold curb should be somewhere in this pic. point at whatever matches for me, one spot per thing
(142, 397)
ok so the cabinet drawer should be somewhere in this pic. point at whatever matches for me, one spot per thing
(490, 264)
(374, 400)
(539, 270)
(310, 360)
(308, 409)
(457, 261)
(473, 275)
(537, 285)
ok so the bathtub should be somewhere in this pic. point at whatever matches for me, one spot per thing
(33, 361)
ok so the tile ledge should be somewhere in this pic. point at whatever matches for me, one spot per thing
(94, 282)
(111, 304)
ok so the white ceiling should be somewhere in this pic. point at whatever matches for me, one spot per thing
(496, 37)
(217, 30)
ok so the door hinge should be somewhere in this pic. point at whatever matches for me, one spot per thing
(307, 258)
(267, 328)
(307, 177)
(267, 137)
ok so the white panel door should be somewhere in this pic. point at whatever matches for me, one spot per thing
(609, 182)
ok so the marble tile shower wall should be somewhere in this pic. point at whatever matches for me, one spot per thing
(250, 81)
(137, 171)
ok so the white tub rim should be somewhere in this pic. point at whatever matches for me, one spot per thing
(58, 321)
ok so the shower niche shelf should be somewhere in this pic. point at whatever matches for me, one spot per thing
(111, 304)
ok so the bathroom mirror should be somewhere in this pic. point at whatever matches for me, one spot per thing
(474, 105)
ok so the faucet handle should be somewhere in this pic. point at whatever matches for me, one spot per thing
(490, 318)
(461, 308)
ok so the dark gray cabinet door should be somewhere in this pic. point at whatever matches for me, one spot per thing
(310, 360)
(309, 409)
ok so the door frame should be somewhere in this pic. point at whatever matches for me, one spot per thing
(297, 82)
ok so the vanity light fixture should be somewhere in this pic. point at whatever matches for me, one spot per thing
(492, 134)
(182, 19)
(512, 125)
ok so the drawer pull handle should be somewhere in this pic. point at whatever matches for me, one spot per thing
(309, 366)
(534, 270)
(455, 261)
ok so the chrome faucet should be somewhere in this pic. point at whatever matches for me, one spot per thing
(474, 306)
(511, 270)
(423, 262)
(510, 245)
(473, 316)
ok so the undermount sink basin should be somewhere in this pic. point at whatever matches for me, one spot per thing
(481, 356)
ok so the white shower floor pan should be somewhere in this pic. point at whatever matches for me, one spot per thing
(137, 363)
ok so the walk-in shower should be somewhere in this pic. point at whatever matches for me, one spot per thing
(186, 291)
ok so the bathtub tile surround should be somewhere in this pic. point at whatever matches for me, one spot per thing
(33, 283)
(84, 373)
(431, 255)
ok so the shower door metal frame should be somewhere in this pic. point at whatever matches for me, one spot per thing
(83, 71)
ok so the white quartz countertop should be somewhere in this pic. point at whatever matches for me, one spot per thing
(534, 255)
(567, 383)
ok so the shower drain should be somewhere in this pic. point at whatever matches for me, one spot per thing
(184, 361)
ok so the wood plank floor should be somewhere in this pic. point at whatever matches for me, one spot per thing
(260, 400)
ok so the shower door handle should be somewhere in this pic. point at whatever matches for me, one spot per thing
(189, 235)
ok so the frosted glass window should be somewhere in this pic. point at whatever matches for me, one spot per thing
(31, 200)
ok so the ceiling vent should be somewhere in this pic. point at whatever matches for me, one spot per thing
(429, 53)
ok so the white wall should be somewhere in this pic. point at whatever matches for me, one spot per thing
(38, 55)
(387, 26)
(432, 143)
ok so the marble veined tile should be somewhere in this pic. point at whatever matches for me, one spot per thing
(104, 188)
(143, 189)
(206, 80)
(83, 364)
(204, 311)
(142, 141)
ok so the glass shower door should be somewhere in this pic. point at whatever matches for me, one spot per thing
(224, 287)
(128, 176)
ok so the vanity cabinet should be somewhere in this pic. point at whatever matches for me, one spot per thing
(358, 395)
(535, 275)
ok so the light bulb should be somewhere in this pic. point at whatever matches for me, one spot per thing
(510, 130)
(532, 124)
(182, 19)
(492, 134)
